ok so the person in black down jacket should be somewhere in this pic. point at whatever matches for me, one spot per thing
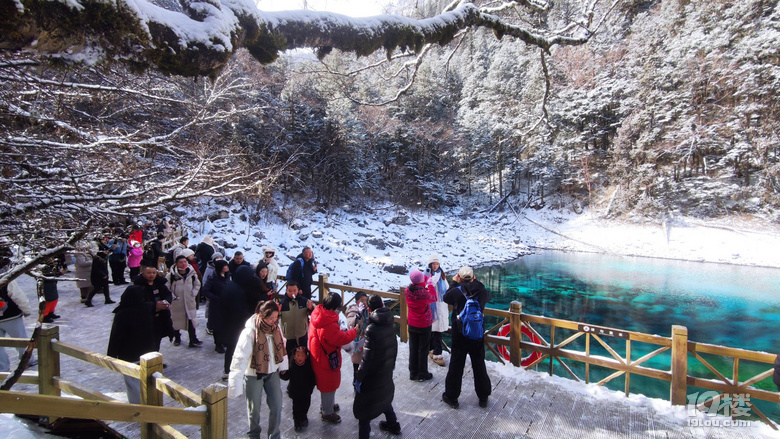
(304, 274)
(239, 299)
(153, 252)
(132, 334)
(212, 290)
(374, 378)
(99, 277)
(465, 285)
(158, 298)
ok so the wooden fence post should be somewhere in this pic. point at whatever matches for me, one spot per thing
(48, 363)
(679, 385)
(404, 315)
(214, 397)
(323, 291)
(515, 333)
(151, 363)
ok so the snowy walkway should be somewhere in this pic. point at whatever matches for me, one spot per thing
(523, 404)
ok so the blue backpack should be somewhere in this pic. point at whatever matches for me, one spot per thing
(471, 318)
(289, 274)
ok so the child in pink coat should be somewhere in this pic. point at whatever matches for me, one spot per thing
(419, 295)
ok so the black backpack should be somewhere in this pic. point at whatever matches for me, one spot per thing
(169, 258)
(149, 254)
(289, 274)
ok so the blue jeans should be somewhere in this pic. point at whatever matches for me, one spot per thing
(13, 328)
(254, 398)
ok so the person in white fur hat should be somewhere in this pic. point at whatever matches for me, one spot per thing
(273, 268)
(439, 309)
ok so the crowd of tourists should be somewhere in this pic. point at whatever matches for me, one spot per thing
(268, 334)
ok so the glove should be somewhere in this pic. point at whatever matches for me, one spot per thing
(357, 386)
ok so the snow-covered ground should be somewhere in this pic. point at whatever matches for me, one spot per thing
(354, 248)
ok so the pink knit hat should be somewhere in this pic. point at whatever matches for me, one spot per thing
(417, 277)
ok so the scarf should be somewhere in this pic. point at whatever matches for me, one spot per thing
(260, 351)
(441, 288)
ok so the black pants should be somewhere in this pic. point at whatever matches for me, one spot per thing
(436, 343)
(419, 339)
(364, 425)
(300, 406)
(219, 338)
(134, 272)
(229, 349)
(117, 271)
(461, 346)
(101, 287)
(190, 331)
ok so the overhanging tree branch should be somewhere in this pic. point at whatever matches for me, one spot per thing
(198, 40)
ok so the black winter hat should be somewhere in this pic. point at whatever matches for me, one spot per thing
(375, 302)
(219, 265)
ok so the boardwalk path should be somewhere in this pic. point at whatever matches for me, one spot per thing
(523, 404)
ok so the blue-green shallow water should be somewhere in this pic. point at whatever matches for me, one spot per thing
(728, 305)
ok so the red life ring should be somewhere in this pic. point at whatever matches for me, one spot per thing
(504, 351)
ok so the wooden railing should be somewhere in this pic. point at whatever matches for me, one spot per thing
(170, 240)
(210, 407)
(677, 347)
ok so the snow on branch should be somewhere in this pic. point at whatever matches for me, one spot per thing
(100, 145)
(198, 38)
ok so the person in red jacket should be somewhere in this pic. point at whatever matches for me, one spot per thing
(326, 339)
(137, 234)
(419, 296)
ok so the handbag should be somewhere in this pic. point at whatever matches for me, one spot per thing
(333, 357)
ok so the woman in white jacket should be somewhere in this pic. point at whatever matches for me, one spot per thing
(439, 309)
(259, 357)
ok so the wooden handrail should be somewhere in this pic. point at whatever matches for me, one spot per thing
(151, 414)
(26, 378)
(81, 391)
(743, 354)
(104, 361)
(25, 403)
(178, 393)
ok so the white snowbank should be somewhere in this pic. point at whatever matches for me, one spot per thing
(348, 247)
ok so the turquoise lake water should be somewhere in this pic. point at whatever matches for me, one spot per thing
(721, 304)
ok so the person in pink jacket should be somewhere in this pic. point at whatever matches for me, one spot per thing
(419, 295)
(134, 256)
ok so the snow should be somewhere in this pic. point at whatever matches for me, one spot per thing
(328, 20)
(674, 414)
(213, 32)
(73, 4)
(348, 246)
